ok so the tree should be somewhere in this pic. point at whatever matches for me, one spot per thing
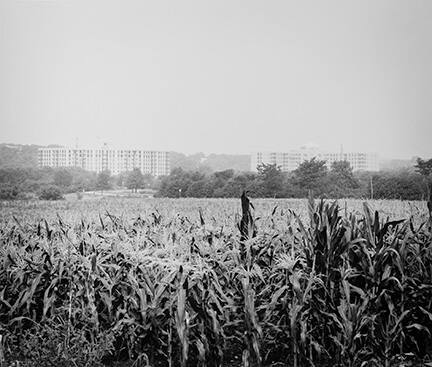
(224, 175)
(149, 180)
(272, 180)
(198, 189)
(402, 185)
(63, 178)
(176, 184)
(217, 181)
(121, 179)
(424, 167)
(311, 176)
(103, 181)
(135, 180)
(227, 184)
(83, 180)
(341, 180)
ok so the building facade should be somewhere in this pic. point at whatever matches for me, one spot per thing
(114, 160)
(289, 161)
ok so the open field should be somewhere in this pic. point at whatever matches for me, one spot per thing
(170, 282)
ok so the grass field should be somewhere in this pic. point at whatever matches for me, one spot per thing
(171, 282)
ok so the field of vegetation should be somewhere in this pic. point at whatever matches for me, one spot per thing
(215, 282)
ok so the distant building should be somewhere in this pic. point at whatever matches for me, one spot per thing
(289, 161)
(114, 160)
(359, 161)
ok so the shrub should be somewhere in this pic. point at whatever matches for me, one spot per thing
(50, 193)
(8, 193)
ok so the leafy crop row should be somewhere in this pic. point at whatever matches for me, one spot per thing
(336, 289)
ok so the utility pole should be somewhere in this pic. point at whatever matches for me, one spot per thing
(371, 187)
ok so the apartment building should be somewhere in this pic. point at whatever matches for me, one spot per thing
(359, 161)
(114, 160)
(289, 161)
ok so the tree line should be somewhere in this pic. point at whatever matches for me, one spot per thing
(338, 181)
(52, 183)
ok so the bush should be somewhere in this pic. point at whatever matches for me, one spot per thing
(8, 193)
(50, 193)
(26, 196)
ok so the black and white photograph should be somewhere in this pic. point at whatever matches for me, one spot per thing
(215, 183)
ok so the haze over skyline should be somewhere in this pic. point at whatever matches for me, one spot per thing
(218, 77)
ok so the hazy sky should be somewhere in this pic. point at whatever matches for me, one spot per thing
(218, 76)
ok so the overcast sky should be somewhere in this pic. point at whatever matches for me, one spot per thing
(218, 76)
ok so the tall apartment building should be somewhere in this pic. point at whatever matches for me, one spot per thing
(289, 161)
(114, 160)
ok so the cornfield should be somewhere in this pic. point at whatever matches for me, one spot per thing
(210, 283)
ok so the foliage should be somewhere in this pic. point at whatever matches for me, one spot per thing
(311, 176)
(50, 192)
(135, 180)
(341, 180)
(338, 182)
(18, 156)
(82, 180)
(31, 180)
(60, 343)
(8, 192)
(103, 181)
(424, 167)
(332, 288)
(271, 179)
(404, 185)
(63, 178)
